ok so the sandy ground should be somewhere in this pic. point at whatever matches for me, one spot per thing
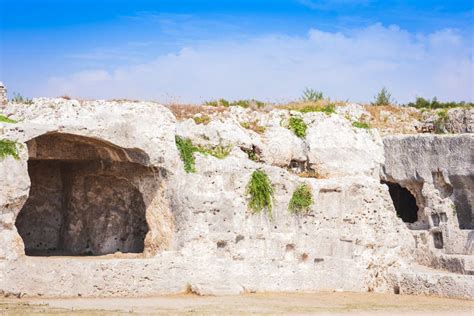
(249, 304)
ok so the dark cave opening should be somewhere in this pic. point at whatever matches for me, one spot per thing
(403, 201)
(83, 200)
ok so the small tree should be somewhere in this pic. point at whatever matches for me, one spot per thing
(383, 98)
(312, 95)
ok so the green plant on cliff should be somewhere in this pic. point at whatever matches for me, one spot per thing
(186, 151)
(5, 119)
(219, 151)
(301, 200)
(359, 124)
(8, 148)
(260, 190)
(297, 126)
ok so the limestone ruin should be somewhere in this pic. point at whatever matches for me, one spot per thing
(98, 204)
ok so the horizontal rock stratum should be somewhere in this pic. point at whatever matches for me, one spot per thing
(98, 203)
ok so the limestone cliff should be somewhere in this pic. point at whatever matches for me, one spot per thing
(106, 179)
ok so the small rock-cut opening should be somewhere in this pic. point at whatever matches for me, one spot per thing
(83, 198)
(403, 201)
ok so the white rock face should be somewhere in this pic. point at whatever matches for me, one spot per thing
(201, 235)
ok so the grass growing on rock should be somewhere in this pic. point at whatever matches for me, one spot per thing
(218, 151)
(301, 200)
(203, 119)
(260, 190)
(8, 148)
(186, 151)
(253, 126)
(297, 126)
(5, 119)
(360, 125)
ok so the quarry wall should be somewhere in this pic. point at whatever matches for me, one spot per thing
(98, 203)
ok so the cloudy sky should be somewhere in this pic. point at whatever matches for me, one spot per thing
(195, 50)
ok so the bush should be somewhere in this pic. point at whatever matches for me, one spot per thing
(260, 190)
(8, 148)
(383, 98)
(18, 98)
(361, 125)
(186, 151)
(312, 95)
(298, 126)
(5, 119)
(421, 103)
(301, 200)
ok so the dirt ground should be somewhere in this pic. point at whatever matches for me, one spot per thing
(323, 303)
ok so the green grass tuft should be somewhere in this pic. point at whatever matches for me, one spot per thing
(301, 200)
(186, 150)
(218, 151)
(204, 119)
(298, 126)
(8, 148)
(361, 125)
(5, 119)
(260, 190)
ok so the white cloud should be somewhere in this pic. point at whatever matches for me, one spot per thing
(352, 65)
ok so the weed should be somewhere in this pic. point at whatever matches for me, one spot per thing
(186, 150)
(8, 148)
(254, 126)
(312, 95)
(361, 125)
(298, 126)
(301, 200)
(18, 98)
(260, 190)
(5, 119)
(383, 98)
(203, 119)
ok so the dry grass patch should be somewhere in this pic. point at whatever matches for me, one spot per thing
(324, 105)
(187, 111)
(253, 126)
(390, 117)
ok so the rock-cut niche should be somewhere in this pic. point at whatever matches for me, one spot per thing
(84, 197)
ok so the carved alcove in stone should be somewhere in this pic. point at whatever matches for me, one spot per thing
(87, 197)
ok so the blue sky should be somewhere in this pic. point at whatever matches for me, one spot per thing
(190, 51)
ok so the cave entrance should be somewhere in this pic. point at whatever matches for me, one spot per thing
(84, 198)
(404, 202)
